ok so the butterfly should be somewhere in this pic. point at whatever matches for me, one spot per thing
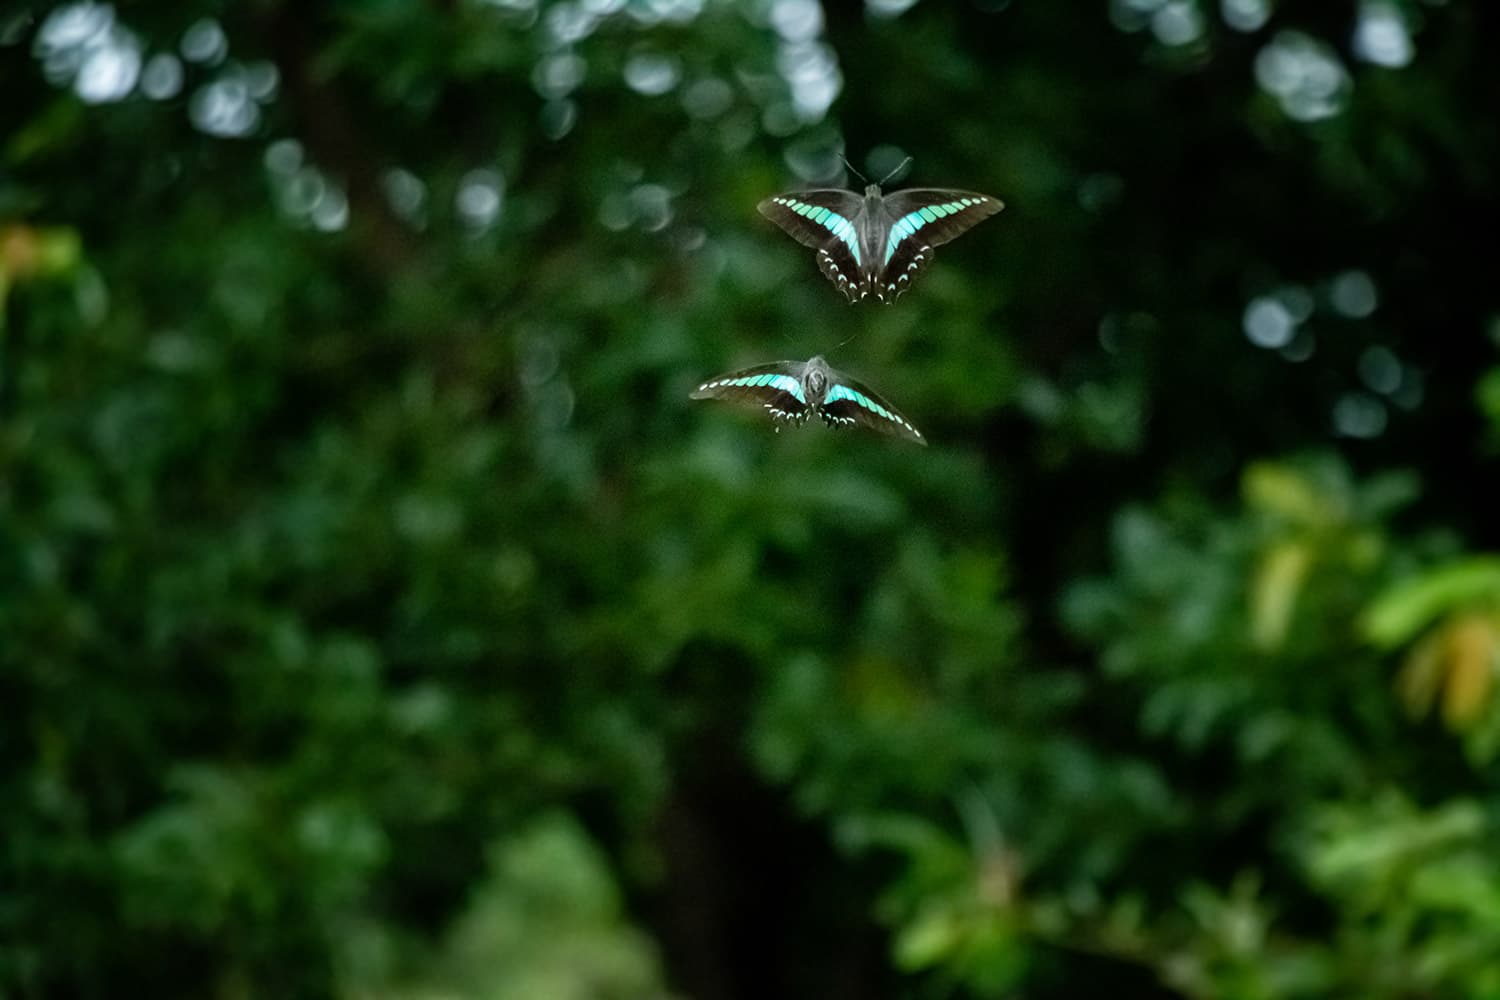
(794, 390)
(876, 244)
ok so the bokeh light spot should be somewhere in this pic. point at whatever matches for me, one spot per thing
(223, 108)
(1353, 294)
(204, 42)
(109, 71)
(557, 118)
(652, 73)
(161, 80)
(1178, 22)
(330, 213)
(1304, 75)
(1359, 415)
(73, 26)
(813, 74)
(815, 157)
(1268, 323)
(889, 8)
(1133, 15)
(480, 196)
(82, 45)
(1381, 35)
(653, 206)
(797, 20)
(708, 98)
(406, 194)
(1380, 370)
(1245, 15)
(558, 74)
(261, 80)
(284, 157)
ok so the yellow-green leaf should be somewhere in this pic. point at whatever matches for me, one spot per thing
(1274, 592)
(1405, 609)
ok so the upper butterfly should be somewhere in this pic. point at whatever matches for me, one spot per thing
(794, 390)
(879, 243)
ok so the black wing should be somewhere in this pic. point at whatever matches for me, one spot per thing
(905, 261)
(774, 386)
(827, 220)
(850, 402)
(812, 217)
(920, 219)
(939, 215)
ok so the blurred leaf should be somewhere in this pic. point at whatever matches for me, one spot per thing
(545, 922)
(1406, 608)
(1472, 648)
(1487, 392)
(1282, 490)
(27, 252)
(1273, 593)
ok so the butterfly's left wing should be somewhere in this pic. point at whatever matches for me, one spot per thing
(920, 219)
(851, 402)
(776, 386)
(827, 220)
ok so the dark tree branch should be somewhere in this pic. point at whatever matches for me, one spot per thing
(327, 126)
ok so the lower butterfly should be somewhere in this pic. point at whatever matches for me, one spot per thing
(794, 390)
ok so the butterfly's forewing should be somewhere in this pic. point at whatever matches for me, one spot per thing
(827, 220)
(851, 402)
(937, 214)
(920, 219)
(777, 387)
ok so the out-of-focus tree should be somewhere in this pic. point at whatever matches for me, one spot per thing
(378, 618)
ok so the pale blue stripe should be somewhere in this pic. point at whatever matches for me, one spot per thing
(790, 385)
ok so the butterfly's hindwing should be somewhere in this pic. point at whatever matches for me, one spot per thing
(848, 402)
(838, 266)
(901, 269)
(773, 386)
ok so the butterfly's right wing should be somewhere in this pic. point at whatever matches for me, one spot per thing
(774, 386)
(937, 214)
(920, 219)
(851, 402)
(827, 220)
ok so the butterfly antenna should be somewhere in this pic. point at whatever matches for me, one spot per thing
(899, 167)
(845, 341)
(855, 172)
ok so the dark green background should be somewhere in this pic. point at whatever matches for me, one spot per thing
(379, 618)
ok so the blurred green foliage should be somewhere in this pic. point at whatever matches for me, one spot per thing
(378, 618)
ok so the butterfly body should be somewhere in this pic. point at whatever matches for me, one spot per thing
(794, 390)
(875, 244)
